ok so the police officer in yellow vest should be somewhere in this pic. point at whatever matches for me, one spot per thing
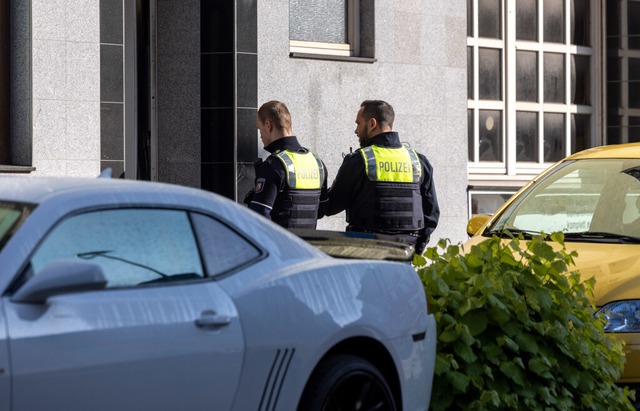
(290, 181)
(384, 187)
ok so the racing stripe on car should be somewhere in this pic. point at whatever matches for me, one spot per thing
(278, 371)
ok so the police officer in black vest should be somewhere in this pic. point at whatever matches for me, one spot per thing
(384, 187)
(290, 181)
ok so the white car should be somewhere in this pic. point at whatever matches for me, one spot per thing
(124, 295)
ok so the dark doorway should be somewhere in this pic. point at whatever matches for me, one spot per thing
(144, 97)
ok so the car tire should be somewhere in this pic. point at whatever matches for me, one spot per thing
(347, 382)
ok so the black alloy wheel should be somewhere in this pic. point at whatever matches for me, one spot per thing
(347, 383)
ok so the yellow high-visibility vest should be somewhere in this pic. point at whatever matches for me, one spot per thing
(395, 165)
(304, 170)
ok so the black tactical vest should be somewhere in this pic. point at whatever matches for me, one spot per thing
(297, 204)
(391, 196)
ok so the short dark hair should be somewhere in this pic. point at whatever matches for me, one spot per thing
(380, 110)
(276, 112)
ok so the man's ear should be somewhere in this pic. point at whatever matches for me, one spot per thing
(372, 124)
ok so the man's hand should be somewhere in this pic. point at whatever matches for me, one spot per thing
(421, 244)
(249, 197)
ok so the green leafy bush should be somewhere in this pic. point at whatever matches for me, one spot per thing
(516, 330)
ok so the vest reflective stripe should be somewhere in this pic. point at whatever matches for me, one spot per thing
(394, 165)
(304, 170)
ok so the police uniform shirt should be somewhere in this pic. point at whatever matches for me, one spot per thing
(271, 177)
(345, 192)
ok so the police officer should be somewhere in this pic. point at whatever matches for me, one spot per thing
(384, 187)
(290, 181)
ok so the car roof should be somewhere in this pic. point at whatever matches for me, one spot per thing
(629, 150)
(37, 189)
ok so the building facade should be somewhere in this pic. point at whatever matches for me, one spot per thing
(492, 91)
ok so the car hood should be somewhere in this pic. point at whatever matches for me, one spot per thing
(616, 267)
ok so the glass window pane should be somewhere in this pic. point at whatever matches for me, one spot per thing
(490, 135)
(614, 67)
(490, 74)
(470, 133)
(614, 135)
(634, 94)
(580, 80)
(633, 17)
(526, 136)
(470, 73)
(527, 20)
(580, 131)
(134, 246)
(554, 78)
(580, 23)
(470, 18)
(634, 69)
(614, 128)
(488, 203)
(634, 129)
(526, 76)
(553, 21)
(222, 248)
(554, 144)
(613, 95)
(318, 20)
(489, 19)
(613, 16)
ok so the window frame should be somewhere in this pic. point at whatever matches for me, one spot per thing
(349, 49)
(510, 169)
(28, 269)
(623, 53)
(261, 253)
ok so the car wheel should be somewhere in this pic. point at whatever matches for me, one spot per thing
(347, 382)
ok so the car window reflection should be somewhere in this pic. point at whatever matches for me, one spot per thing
(584, 196)
(133, 246)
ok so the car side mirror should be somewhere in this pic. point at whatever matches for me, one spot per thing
(61, 277)
(476, 223)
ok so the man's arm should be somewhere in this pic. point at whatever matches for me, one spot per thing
(344, 186)
(430, 207)
(266, 189)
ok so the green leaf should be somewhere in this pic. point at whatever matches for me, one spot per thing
(443, 365)
(491, 398)
(541, 367)
(512, 371)
(449, 335)
(465, 352)
(527, 343)
(458, 380)
(476, 321)
(508, 342)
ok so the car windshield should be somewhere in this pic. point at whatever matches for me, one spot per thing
(11, 217)
(590, 199)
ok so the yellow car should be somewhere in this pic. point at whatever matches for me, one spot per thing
(593, 197)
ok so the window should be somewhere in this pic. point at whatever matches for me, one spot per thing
(222, 248)
(623, 71)
(487, 201)
(132, 246)
(530, 85)
(597, 195)
(12, 215)
(329, 27)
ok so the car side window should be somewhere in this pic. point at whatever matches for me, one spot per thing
(133, 246)
(222, 248)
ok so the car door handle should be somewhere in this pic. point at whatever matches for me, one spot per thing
(209, 319)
